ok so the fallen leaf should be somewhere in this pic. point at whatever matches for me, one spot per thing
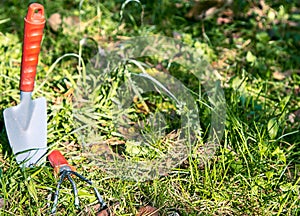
(278, 75)
(293, 116)
(104, 212)
(290, 72)
(207, 9)
(261, 10)
(211, 11)
(225, 17)
(90, 210)
(100, 149)
(1, 202)
(147, 211)
(55, 21)
(71, 24)
(297, 90)
(222, 20)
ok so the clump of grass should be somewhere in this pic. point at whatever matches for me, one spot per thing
(255, 170)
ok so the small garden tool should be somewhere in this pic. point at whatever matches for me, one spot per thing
(62, 168)
(26, 123)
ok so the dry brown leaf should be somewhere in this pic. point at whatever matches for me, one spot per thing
(71, 24)
(297, 113)
(294, 116)
(1, 203)
(204, 9)
(278, 75)
(261, 10)
(297, 90)
(222, 20)
(55, 21)
(104, 213)
(148, 211)
(290, 72)
(211, 11)
(100, 149)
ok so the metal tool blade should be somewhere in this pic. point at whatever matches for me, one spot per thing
(26, 127)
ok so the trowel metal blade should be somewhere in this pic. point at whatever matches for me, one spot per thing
(26, 127)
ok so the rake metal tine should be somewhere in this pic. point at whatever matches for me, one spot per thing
(100, 199)
(76, 201)
(82, 177)
(55, 201)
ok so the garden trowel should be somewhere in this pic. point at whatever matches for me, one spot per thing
(26, 123)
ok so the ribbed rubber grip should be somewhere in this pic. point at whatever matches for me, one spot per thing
(34, 23)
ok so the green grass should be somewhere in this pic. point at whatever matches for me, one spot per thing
(256, 168)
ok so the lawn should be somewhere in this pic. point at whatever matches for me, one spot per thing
(168, 107)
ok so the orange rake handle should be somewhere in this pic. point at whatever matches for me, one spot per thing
(57, 160)
(34, 23)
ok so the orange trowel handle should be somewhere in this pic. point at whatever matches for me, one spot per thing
(34, 24)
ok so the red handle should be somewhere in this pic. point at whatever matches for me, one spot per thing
(56, 159)
(34, 24)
